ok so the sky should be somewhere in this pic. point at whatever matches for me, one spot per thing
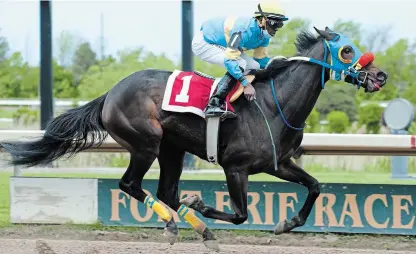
(156, 25)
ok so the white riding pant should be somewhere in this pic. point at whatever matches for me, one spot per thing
(214, 54)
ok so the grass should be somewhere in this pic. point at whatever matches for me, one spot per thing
(4, 199)
(323, 177)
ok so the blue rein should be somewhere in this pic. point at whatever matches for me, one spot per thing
(280, 110)
(352, 72)
(324, 64)
(323, 83)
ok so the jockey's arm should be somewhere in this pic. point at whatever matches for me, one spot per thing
(260, 54)
(232, 53)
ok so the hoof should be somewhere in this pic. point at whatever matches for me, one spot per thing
(170, 235)
(171, 232)
(212, 245)
(191, 201)
(281, 227)
(209, 240)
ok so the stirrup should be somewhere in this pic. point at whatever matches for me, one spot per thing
(217, 111)
(222, 114)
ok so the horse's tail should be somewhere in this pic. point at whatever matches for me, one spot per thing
(69, 133)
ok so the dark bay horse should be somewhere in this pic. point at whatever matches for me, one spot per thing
(131, 114)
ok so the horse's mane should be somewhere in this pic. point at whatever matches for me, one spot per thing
(304, 41)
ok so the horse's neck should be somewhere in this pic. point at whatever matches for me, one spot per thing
(301, 89)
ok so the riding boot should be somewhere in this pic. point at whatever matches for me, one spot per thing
(216, 105)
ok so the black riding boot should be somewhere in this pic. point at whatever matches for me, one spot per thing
(216, 105)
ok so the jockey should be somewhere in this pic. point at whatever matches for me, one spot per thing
(222, 41)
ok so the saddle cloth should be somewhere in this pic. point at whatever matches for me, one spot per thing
(189, 92)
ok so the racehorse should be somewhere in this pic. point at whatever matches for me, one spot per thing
(132, 114)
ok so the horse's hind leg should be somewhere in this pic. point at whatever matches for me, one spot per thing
(171, 163)
(289, 171)
(141, 136)
(131, 184)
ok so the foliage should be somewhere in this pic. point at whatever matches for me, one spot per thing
(66, 44)
(63, 82)
(107, 73)
(338, 122)
(412, 128)
(4, 48)
(121, 161)
(370, 116)
(312, 122)
(17, 78)
(84, 58)
(282, 43)
(26, 115)
(338, 96)
(78, 73)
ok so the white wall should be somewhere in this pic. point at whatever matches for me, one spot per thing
(53, 200)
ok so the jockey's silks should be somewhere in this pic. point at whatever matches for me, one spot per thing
(220, 30)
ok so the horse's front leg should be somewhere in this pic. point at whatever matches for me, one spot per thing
(237, 182)
(289, 171)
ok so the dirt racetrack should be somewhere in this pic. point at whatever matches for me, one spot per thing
(47, 246)
(60, 239)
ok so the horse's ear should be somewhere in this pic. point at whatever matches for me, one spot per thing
(328, 30)
(324, 34)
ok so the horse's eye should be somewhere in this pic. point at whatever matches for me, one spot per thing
(347, 50)
(347, 54)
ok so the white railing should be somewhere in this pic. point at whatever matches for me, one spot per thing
(312, 143)
(36, 102)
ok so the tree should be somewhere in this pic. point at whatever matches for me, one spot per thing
(399, 61)
(79, 74)
(337, 96)
(66, 44)
(370, 116)
(312, 122)
(338, 122)
(352, 30)
(377, 38)
(83, 59)
(4, 49)
(283, 42)
(17, 78)
(105, 74)
(63, 80)
(367, 40)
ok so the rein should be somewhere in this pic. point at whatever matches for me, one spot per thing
(271, 136)
(280, 110)
(351, 71)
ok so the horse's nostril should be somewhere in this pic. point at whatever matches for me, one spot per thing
(382, 76)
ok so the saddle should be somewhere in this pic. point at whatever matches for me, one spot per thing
(240, 89)
(190, 91)
(213, 125)
(234, 95)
